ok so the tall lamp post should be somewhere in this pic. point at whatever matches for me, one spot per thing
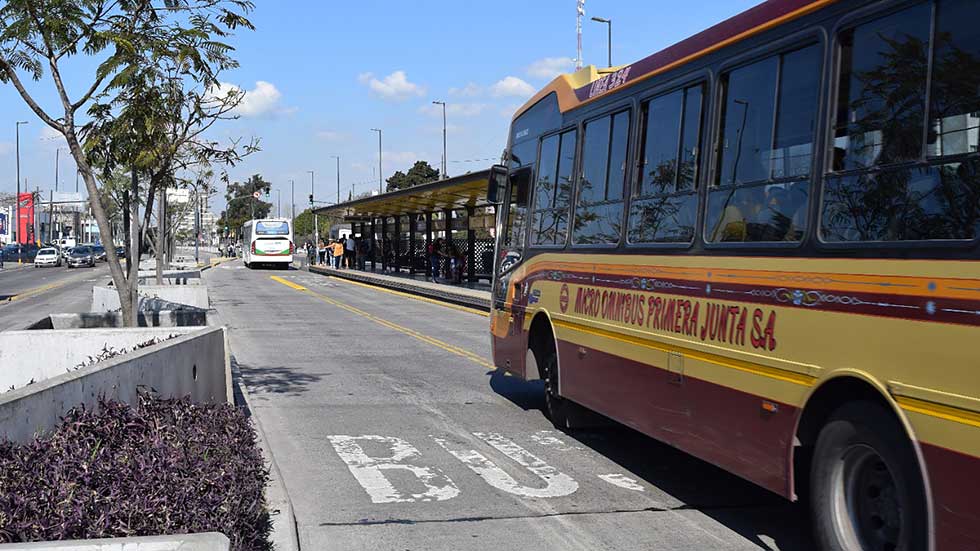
(445, 161)
(378, 130)
(17, 235)
(608, 23)
(57, 154)
(278, 203)
(338, 177)
(292, 198)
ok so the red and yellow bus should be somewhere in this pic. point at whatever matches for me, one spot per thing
(760, 245)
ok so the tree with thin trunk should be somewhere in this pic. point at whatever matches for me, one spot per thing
(133, 43)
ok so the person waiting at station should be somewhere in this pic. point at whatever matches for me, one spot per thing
(435, 255)
(363, 250)
(337, 254)
(321, 252)
(349, 253)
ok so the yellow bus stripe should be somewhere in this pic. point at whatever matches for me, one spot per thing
(938, 410)
(731, 363)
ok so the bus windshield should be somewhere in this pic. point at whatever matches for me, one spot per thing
(271, 228)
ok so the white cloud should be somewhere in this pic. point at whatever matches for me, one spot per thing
(508, 111)
(512, 86)
(471, 90)
(401, 157)
(329, 135)
(550, 67)
(395, 86)
(454, 109)
(51, 135)
(261, 100)
(6, 148)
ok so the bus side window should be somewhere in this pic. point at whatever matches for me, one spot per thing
(765, 156)
(664, 208)
(599, 206)
(888, 184)
(553, 189)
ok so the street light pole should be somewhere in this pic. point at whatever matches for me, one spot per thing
(608, 22)
(378, 130)
(338, 177)
(278, 203)
(57, 154)
(17, 235)
(445, 161)
(292, 198)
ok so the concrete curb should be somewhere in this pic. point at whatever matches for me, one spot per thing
(206, 541)
(285, 534)
(445, 295)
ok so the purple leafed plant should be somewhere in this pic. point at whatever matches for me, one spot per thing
(163, 467)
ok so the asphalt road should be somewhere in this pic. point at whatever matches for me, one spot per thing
(28, 294)
(392, 431)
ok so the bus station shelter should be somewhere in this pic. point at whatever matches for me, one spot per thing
(402, 224)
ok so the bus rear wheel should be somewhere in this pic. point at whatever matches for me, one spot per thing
(867, 488)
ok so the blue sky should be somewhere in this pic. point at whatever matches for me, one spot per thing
(319, 75)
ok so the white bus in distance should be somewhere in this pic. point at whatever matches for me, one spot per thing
(268, 242)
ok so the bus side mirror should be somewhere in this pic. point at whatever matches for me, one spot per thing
(497, 185)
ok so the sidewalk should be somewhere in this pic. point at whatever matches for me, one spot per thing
(478, 297)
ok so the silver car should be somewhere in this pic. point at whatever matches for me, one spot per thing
(81, 256)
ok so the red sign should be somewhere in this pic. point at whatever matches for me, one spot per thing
(25, 224)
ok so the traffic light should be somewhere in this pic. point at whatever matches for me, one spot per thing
(311, 198)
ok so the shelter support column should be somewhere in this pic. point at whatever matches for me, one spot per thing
(396, 243)
(470, 245)
(384, 247)
(428, 243)
(411, 243)
(374, 246)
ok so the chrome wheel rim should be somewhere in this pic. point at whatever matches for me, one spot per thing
(866, 506)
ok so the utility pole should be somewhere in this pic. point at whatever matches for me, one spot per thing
(292, 196)
(578, 31)
(278, 204)
(378, 130)
(17, 235)
(338, 177)
(57, 153)
(608, 23)
(444, 159)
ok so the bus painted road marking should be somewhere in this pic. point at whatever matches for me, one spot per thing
(623, 481)
(368, 471)
(547, 438)
(557, 484)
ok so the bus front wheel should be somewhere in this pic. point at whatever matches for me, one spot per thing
(867, 488)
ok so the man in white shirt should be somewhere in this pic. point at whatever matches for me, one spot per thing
(349, 251)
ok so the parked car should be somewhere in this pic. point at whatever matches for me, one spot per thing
(81, 256)
(48, 256)
(100, 255)
(65, 251)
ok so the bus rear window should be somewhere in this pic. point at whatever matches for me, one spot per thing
(271, 228)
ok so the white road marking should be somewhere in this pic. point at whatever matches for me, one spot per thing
(622, 481)
(557, 484)
(547, 438)
(368, 470)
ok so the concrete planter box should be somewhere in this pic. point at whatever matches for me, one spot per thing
(185, 317)
(194, 364)
(106, 299)
(210, 541)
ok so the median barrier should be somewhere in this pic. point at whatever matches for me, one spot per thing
(194, 364)
(209, 541)
(106, 299)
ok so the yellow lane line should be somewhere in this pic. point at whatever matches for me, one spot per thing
(731, 363)
(414, 297)
(391, 325)
(938, 410)
(38, 290)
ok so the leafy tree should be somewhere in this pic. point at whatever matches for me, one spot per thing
(303, 226)
(123, 39)
(242, 206)
(420, 173)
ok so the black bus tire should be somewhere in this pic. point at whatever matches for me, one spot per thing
(867, 491)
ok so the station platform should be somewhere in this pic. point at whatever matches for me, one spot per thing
(472, 295)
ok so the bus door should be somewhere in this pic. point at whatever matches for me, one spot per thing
(508, 303)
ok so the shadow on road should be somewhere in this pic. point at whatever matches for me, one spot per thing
(747, 509)
(273, 380)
